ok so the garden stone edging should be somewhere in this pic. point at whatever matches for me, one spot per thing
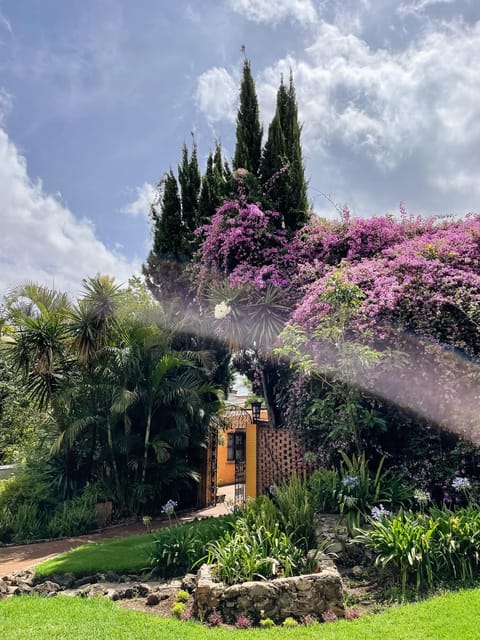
(297, 597)
(26, 582)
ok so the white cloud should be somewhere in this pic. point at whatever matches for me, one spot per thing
(419, 6)
(5, 23)
(217, 94)
(147, 194)
(396, 109)
(5, 104)
(382, 125)
(274, 12)
(41, 240)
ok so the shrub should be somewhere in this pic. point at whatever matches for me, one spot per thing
(295, 509)
(250, 553)
(27, 523)
(352, 614)
(323, 486)
(425, 549)
(176, 549)
(178, 609)
(215, 618)
(243, 622)
(74, 517)
(267, 623)
(329, 616)
(361, 490)
(182, 595)
(289, 622)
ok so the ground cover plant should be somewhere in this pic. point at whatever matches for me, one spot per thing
(161, 551)
(454, 615)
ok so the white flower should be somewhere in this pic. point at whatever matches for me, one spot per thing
(221, 310)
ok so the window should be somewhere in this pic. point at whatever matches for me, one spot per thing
(236, 446)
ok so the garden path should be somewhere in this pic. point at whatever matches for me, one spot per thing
(27, 556)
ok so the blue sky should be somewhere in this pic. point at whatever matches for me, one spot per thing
(98, 96)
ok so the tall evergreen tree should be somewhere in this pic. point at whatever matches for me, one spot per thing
(216, 186)
(282, 170)
(248, 148)
(168, 231)
(190, 180)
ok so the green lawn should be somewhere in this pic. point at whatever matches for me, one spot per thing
(451, 617)
(129, 555)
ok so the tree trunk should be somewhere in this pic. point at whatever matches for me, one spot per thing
(147, 442)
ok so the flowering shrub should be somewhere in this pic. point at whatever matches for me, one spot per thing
(329, 616)
(215, 618)
(385, 312)
(423, 550)
(244, 243)
(243, 622)
(352, 614)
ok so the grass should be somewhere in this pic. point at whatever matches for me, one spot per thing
(454, 615)
(121, 555)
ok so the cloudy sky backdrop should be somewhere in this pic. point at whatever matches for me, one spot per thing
(98, 96)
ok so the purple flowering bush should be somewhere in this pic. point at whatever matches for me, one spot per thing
(384, 315)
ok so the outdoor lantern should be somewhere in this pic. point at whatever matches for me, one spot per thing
(256, 408)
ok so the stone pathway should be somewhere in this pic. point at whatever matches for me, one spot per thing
(29, 555)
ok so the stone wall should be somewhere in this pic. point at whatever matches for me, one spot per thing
(311, 594)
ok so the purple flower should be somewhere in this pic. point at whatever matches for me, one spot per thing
(169, 507)
(329, 616)
(350, 482)
(461, 484)
(378, 513)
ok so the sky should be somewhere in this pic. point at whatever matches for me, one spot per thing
(97, 98)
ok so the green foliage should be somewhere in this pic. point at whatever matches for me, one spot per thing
(289, 622)
(27, 523)
(190, 180)
(182, 595)
(255, 552)
(178, 609)
(282, 169)
(295, 511)
(361, 490)
(426, 550)
(123, 408)
(324, 485)
(270, 538)
(216, 185)
(176, 549)
(73, 517)
(249, 132)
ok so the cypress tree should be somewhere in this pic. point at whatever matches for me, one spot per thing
(190, 180)
(282, 170)
(216, 186)
(296, 203)
(168, 226)
(248, 148)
